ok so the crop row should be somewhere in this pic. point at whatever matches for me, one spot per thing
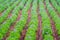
(6, 25)
(6, 12)
(33, 25)
(46, 26)
(15, 33)
(14, 7)
(54, 16)
(54, 3)
(5, 4)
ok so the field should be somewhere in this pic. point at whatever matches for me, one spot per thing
(30, 20)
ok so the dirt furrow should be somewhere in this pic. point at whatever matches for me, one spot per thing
(26, 26)
(55, 35)
(39, 30)
(12, 26)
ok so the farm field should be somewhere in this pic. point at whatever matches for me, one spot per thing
(30, 20)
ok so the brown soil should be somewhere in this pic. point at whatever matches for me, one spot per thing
(39, 30)
(26, 26)
(10, 14)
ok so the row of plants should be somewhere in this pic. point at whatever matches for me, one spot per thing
(15, 33)
(46, 25)
(2, 5)
(33, 25)
(54, 16)
(6, 25)
(8, 11)
(5, 5)
(54, 3)
(23, 2)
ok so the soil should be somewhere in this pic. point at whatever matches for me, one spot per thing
(39, 30)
